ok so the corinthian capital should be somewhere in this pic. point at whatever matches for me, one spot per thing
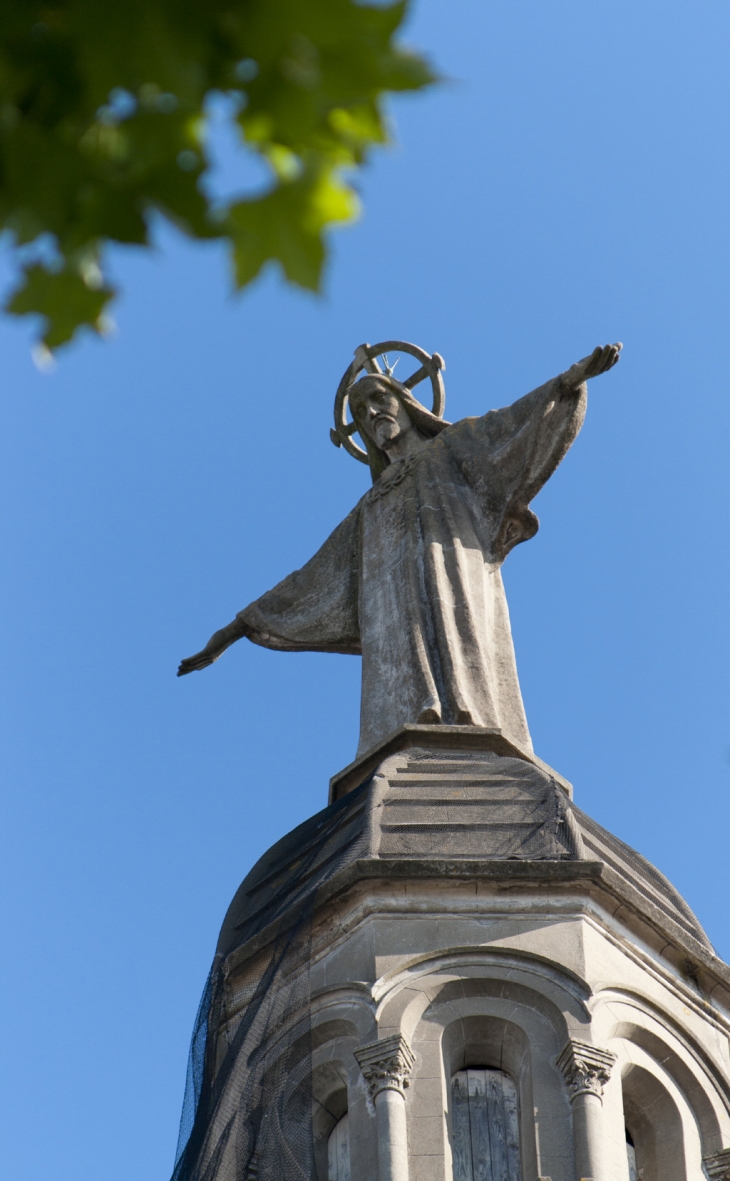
(386, 1065)
(718, 1166)
(586, 1069)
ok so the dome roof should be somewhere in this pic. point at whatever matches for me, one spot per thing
(452, 813)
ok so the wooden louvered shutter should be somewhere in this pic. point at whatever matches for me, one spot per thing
(486, 1137)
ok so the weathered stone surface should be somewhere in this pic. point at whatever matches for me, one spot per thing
(586, 1068)
(718, 1166)
(464, 815)
(475, 918)
(464, 739)
(412, 578)
(451, 916)
(386, 1064)
(436, 946)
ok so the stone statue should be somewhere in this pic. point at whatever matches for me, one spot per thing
(411, 579)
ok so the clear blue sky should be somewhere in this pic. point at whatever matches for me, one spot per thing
(567, 187)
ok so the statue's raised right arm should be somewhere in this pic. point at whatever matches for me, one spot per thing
(599, 361)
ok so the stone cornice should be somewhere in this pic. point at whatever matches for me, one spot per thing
(586, 1069)
(582, 877)
(386, 1064)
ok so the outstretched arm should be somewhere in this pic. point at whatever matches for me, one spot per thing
(215, 647)
(314, 609)
(600, 361)
(509, 454)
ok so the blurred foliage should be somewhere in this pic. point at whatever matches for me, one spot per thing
(103, 119)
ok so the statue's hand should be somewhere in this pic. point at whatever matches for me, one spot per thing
(202, 659)
(215, 647)
(600, 361)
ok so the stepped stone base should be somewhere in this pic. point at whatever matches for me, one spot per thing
(462, 739)
(468, 805)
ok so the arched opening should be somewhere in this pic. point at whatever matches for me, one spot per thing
(330, 1123)
(654, 1128)
(485, 1126)
(486, 1043)
(679, 1070)
(338, 1151)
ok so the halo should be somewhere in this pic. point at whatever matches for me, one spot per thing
(431, 365)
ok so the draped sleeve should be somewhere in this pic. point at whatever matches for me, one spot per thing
(507, 456)
(315, 609)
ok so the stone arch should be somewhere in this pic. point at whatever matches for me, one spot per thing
(683, 1075)
(644, 1099)
(655, 1124)
(316, 1049)
(342, 1020)
(332, 1064)
(338, 1009)
(329, 1082)
(625, 1018)
(507, 1010)
(309, 1043)
(331, 1029)
(403, 996)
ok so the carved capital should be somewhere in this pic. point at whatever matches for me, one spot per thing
(586, 1069)
(386, 1065)
(718, 1165)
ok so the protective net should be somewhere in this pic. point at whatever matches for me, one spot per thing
(249, 1107)
(247, 1112)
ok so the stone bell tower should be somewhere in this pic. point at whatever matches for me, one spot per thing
(451, 973)
(464, 978)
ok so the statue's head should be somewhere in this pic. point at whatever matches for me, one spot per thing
(385, 410)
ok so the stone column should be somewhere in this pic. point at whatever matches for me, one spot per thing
(386, 1066)
(718, 1166)
(586, 1070)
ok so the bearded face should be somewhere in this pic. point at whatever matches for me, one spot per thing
(391, 422)
(379, 412)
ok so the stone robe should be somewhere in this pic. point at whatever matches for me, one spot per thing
(412, 580)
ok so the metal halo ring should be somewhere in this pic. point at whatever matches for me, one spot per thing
(365, 358)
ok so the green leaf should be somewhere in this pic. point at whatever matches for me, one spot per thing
(288, 224)
(103, 122)
(63, 299)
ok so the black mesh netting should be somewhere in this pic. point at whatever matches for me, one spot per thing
(247, 1112)
(249, 1108)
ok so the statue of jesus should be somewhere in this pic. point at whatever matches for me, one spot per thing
(411, 579)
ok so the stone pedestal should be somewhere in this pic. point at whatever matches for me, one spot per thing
(472, 918)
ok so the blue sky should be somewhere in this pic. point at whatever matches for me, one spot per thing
(567, 186)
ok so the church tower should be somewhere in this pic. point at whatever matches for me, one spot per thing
(453, 974)
(450, 973)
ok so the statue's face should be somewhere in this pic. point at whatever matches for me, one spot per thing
(382, 415)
